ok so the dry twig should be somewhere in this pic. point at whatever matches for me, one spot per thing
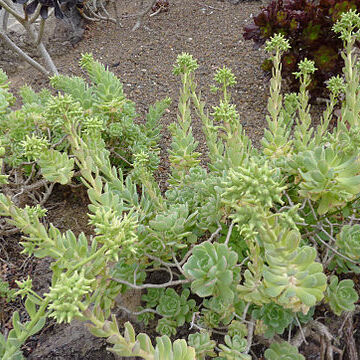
(142, 13)
(348, 328)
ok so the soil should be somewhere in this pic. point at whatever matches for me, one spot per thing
(210, 30)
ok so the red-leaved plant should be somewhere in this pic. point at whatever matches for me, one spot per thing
(307, 24)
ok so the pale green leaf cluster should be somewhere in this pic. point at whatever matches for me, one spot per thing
(278, 43)
(131, 345)
(10, 345)
(182, 154)
(348, 26)
(248, 188)
(234, 348)
(66, 296)
(56, 167)
(35, 211)
(212, 269)
(202, 344)
(275, 317)
(6, 292)
(176, 307)
(185, 64)
(283, 351)
(152, 296)
(348, 241)
(171, 230)
(306, 67)
(292, 276)
(34, 146)
(6, 97)
(231, 240)
(100, 109)
(341, 295)
(327, 176)
(217, 311)
(3, 177)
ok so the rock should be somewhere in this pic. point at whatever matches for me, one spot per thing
(70, 342)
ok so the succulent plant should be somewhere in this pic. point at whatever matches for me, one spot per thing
(176, 307)
(107, 292)
(281, 274)
(343, 266)
(34, 146)
(185, 64)
(348, 241)
(219, 310)
(236, 327)
(256, 184)
(115, 232)
(304, 318)
(56, 167)
(130, 345)
(275, 317)
(283, 351)
(202, 344)
(292, 277)
(176, 351)
(66, 296)
(6, 97)
(210, 318)
(341, 296)
(328, 177)
(166, 327)
(236, 242)
(212, 269)
(145, 317)
(35, 212)
(252, 289)
(152, 296)
(6, 293)
(234, 349)
(173, 227)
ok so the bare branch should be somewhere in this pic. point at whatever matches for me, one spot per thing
(312, 209)
(20, 52)
(41, 48)
(229, 233)
(151, 286)
(249, 336)
(136, 313)
(156, 12)
(214, 234)
(178, 264)
(116, 10)
(46, 195)
(40, 32)
(348, 327)
(335, 251)
(99, 17)
(301, 330)
(5, 21)
(36, 14)
(8, 7)
(34, 186)
(142, 13)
